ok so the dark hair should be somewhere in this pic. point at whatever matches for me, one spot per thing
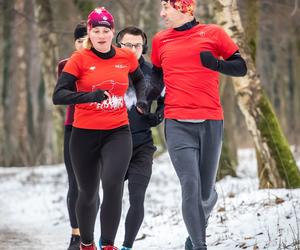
(132, 31)
(80, 30)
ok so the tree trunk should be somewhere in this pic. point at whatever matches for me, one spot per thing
(2, 11)
(283, 51)
(49, 58)
(278, 166)
(15, 106)
(229, 160)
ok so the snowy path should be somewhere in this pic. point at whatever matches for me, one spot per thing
(33, 214)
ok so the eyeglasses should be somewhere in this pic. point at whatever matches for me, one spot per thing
(130, 45)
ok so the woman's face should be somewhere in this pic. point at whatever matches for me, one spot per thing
(101, 38)
(79, 43)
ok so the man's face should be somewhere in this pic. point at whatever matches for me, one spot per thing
(133, 42)
(171, 16)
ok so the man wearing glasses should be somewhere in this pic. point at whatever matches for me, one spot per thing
(140, 166)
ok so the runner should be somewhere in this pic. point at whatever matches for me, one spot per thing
(189, 56)
(140, 166)
(100, 144)
(79, 34)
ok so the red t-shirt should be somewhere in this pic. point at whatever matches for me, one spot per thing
(192, 91)
(94, 73)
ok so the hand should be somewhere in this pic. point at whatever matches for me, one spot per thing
(142, 107)
(99, 95)
(209, 61)
(154, 119)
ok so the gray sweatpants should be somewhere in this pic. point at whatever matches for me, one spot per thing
(195, 150)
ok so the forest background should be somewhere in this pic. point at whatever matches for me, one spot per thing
(36, 34)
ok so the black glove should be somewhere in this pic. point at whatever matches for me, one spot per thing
(97, 96)
(143, 106)
(154, 119)
(209, 61)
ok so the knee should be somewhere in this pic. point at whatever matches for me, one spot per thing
(137, 200)
(209, 198)
(88, 195)
(112, 187)
(190, 189)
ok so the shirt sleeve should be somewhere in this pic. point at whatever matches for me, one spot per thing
(134, 64)
(226, 46)
(73, 66)
(155, 58)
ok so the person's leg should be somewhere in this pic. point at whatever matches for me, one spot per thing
(183, 146)
(115, 157)
(72, 190)
(139, 173)
(211, 136)
(84, 149)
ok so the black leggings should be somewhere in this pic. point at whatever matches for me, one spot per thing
(99, 154)
(139, 173)
(72, 190)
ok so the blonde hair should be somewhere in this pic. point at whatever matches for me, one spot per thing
(87, 43)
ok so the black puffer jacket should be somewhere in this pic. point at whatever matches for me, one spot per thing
(140, 125)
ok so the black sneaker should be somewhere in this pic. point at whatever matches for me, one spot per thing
(74, 243)
(188, 244)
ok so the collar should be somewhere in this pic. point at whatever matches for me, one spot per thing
(106, 55)
(141, 61)
(187, 25)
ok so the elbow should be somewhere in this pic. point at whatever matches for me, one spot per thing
(55, 99)
(244, 70)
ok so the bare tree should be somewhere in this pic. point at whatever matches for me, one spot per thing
(49, 58)
(277, 164)
(1, 79)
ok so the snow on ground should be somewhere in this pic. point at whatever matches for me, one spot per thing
(33, 213)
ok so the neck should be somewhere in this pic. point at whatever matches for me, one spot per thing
(186, 18)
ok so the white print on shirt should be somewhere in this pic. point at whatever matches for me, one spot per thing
(92, 68)
(120, 66)
(116, 101)
(113, 103)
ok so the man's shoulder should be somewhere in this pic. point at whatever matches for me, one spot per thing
(146, 68)
(163, 34)
(210, 27)
(148, 64)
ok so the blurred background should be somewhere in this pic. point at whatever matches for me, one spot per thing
(36, 34)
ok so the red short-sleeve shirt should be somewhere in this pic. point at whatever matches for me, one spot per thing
(94, 73)
(192, 91)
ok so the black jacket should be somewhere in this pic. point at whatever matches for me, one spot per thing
(140, 125)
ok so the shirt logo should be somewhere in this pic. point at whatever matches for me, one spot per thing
(202, 33)
(92, 67)
(120, 66)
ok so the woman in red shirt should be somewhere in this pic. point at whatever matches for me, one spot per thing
(100, 144)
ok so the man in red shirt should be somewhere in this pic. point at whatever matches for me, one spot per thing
(187, 59)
